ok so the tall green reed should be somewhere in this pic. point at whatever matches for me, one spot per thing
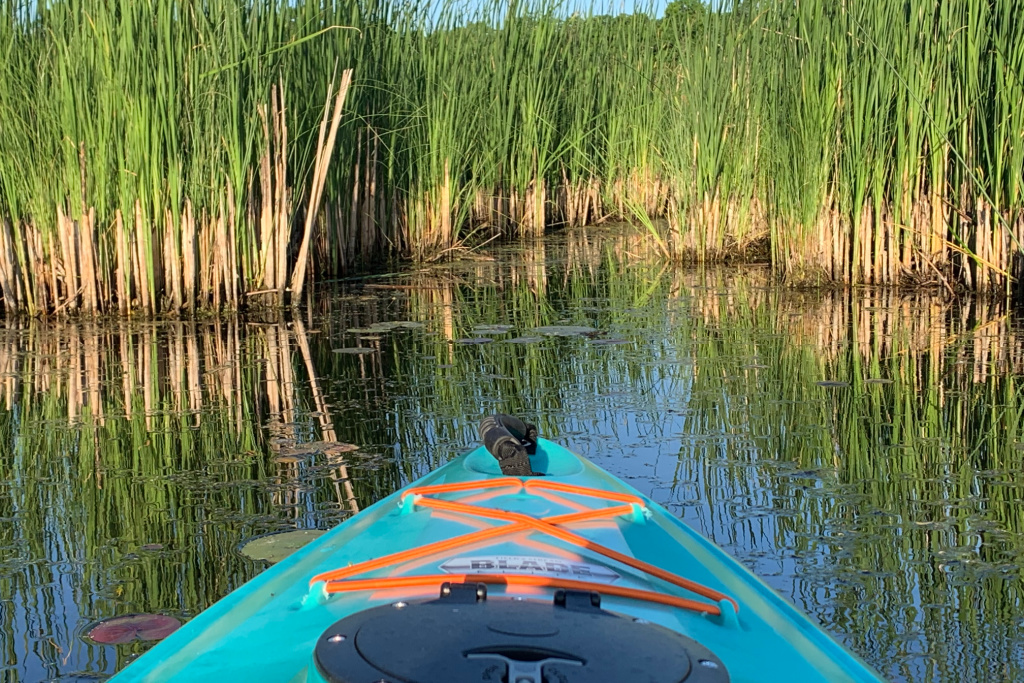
(163, 156)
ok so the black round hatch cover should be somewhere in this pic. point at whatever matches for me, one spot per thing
(452, 640)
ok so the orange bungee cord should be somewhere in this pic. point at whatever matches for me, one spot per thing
(340, 581)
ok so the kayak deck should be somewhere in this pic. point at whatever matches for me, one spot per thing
(576, 528)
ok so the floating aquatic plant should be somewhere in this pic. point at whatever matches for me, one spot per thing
(125, 629)
(564, 330)
(273, 548)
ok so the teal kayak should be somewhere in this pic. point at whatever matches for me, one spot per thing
(518, 562)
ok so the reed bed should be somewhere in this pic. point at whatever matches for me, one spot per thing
(174, 156)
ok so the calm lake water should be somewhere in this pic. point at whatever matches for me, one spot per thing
(862, 452)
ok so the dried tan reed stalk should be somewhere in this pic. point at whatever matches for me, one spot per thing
(322, 162)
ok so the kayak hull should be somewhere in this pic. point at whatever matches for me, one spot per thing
(268, 628)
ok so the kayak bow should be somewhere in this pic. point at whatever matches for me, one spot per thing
(561, 573)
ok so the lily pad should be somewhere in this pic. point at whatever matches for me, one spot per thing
(832, 383)
(301, 451)
(80, 677)
(389, 326)
(275, 547)
(355, 350)
(474, 340)
(335, 447)
(564, 330)
(525, 340)
(125, 629)
(610, 342)
(492, 329)
(877, 380)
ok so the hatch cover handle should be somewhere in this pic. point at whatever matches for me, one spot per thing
(524, 667)
(578, 601)
(467, 593)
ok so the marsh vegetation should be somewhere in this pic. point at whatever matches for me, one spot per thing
(171, 155)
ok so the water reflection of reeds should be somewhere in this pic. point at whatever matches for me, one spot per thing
(862, 451)
(858, 449)
(136, 456)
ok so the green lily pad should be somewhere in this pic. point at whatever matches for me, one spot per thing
(832, 383)
(563, 330)
(610, 342)
(273, 548)
(355, 350)
(492, 329)
(301, 451)
(390, 326)
(525, 340)
(474, 340)
(125, 629)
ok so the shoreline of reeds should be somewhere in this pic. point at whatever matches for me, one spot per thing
(171, 157)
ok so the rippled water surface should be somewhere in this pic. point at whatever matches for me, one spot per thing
(862, 452)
